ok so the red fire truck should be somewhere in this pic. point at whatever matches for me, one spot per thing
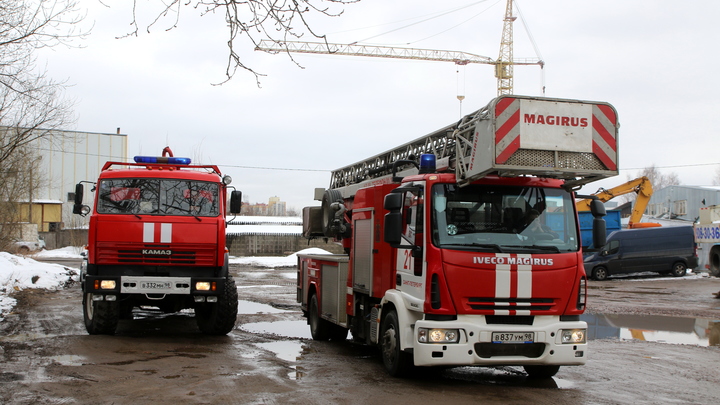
(471, 256)
(157, 239)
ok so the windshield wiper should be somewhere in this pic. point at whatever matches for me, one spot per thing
(539, 247)
(482, 245)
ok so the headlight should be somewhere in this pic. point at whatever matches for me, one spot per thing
(104, 284)
(438, 335)
(572, 336)
(205, 286)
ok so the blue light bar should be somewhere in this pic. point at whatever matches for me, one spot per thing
(162, 159)
(427, 163)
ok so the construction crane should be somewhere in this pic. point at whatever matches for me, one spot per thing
(503, 64)
(641, 186)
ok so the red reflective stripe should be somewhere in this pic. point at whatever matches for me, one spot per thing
(502, 105)
(509, 150)
(603, 157)
(608, 112)
(507, 126)
(604, 133)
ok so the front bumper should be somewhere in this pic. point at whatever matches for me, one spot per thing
(475, 345)
(153, 286)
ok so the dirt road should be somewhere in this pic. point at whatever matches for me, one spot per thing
(47, 357)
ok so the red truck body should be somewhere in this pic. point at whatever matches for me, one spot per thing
(445, 269)
(157, 239)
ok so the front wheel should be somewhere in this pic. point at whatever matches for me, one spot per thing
(541, 371)
(101, 317)
(599, 273)
(397, 362)
(219, 318)
(679, 269)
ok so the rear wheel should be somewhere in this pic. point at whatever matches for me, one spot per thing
(319, 328)
(679, 269)
(219, 318)
(101, 317)
(541, 371)
(715, 261)
(600, 273)
(397, 362)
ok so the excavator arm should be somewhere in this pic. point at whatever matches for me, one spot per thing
(641, 186)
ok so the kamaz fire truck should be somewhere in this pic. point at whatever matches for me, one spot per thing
(157, 239)
(472, 255)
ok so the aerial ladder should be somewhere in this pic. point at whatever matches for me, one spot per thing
(503, 64)
(641, 186)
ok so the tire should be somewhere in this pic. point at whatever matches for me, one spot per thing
(219, 318)
(678, 269)
(319, 328)
(715, 262)
(328, 214)
(397, 362)
(541, 371)
(101, 317)
(599, 273)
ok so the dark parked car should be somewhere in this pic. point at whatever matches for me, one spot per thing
(665, 250)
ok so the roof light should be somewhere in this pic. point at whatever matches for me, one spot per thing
(162, 159)
(427, 163)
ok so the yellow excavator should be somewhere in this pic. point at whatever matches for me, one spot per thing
(641, 186)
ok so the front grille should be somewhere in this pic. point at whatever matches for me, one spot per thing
(530, 350)
(155, 255)
(509, 319)
(510, 304)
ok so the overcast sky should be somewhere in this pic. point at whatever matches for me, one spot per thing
(655, 61)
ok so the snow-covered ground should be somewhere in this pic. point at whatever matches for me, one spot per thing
(18, 273)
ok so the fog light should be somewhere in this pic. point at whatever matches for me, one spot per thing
(572, 335)
(110, 298)
(199, 298)
(426, 335)
(107, 284)
(212, 299)
(202, 286)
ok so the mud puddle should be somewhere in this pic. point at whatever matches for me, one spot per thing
(654, 328)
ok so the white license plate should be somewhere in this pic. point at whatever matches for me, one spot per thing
(156, 286)
(513, 337)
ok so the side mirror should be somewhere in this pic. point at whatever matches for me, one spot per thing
(597, 208)
(599, 231)
(393, 202)
(393, 227)
(78, 207)
(235, 201)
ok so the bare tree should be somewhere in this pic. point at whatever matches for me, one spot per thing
(31, 104)
(658, 180)
(249, 20)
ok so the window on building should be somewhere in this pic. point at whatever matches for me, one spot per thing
(680, 207)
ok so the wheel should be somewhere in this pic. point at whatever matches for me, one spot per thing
(679, 269)
(219, 318)
(397, 362)
(715, 262)
(319, 328)
(101, 317)
(328, 214)
(23, 250)
(541, 371)
(600, 273)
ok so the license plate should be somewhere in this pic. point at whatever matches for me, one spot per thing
(156, 286)
(513, 337)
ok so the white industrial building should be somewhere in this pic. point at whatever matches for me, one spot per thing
(68, 157)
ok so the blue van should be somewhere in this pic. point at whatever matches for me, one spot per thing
(665, 250)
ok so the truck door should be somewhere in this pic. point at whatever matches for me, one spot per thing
(410, 264)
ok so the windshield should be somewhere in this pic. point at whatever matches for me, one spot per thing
(503, 218)
(158, 197)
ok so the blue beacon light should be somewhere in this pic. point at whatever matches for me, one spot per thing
(427, 163)
(162, 159)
